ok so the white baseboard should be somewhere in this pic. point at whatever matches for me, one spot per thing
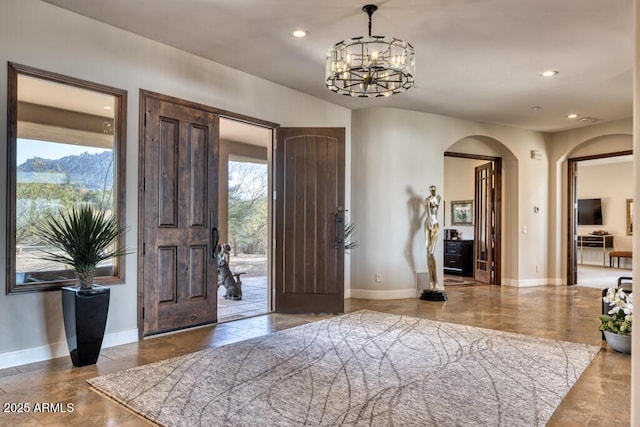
(372, 294)
(526, 283)
(411, 293)
(59, 349)
(119, 338)
(534, 282)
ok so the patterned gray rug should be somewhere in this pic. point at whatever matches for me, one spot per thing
(364, 368)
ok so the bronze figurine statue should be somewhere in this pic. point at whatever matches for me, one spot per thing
(431, 231)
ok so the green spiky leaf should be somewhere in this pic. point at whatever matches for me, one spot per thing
(84, 237)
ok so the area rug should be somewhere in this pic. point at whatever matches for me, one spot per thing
(364, 368)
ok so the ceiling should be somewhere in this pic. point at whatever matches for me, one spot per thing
(45, 92)
(477, 60)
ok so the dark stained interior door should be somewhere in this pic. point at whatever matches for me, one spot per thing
(309, 220)
(485, 223)
(572, 234)
(179, 220)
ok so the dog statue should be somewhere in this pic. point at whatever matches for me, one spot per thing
(226, 277)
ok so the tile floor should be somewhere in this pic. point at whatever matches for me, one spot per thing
(600, 397)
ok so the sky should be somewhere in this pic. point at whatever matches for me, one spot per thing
(29, 148)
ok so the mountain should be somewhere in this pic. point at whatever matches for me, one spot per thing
(84, 170)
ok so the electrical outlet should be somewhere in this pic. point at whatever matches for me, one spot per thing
(537, 268)
(378, 278)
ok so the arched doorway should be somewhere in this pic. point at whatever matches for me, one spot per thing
(482, 258)
(479, 160)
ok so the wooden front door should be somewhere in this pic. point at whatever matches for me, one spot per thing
(179, 220)
(309, 220)
(485, 223)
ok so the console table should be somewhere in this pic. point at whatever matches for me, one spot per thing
(598, 242)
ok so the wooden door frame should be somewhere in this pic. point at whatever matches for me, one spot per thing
(143, 97)
(498, 208)
(572, 200)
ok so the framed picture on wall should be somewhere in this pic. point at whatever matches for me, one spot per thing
(629, 217)
(462, 212)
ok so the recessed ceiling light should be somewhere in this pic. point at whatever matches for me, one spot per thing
(536, 108)
(106, 107)
(572, 116)
(299, 33)
(588, 119)
(548, 73)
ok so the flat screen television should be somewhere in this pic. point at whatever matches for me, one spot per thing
(589, 212)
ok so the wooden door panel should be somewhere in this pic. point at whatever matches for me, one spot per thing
(198, 176)
(309, 270)
(311, 218)
(180, 199)
(197, 271)
(168, 173)
(167, 274)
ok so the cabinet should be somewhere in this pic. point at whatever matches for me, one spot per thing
(458, 257)
(599, 242)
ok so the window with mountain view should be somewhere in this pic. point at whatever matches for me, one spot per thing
(67, 150)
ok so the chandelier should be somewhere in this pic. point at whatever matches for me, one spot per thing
(370, 66)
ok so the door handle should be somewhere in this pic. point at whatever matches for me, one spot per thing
(339, 225)
(214, 237)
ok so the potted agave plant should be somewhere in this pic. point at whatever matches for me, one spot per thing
(616, 324)
(81, 238)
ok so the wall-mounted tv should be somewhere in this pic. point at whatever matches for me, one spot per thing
(589, 212)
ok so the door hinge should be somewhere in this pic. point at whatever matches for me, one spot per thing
(145, 118)
(143, 312)
(144, 184)
(144, 248)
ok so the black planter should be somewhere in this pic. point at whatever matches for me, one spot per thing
(85, 318)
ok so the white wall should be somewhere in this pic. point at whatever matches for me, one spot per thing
(397, 155)
(47, 37)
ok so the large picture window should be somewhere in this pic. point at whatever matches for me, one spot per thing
(66, 146)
